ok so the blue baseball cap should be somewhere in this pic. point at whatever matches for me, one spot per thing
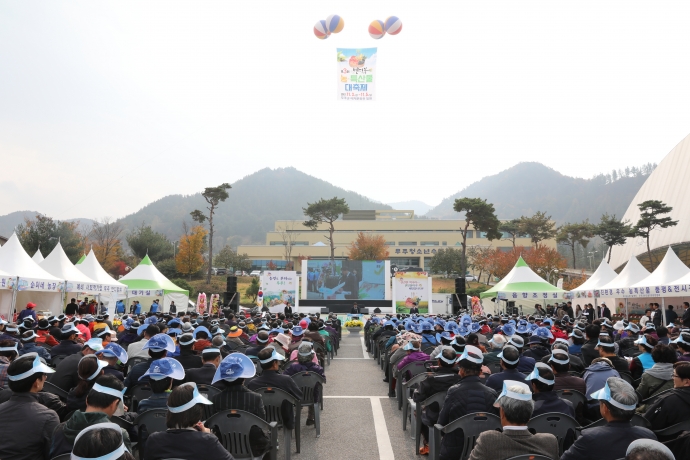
(234, 366)
(160, 342)
(201, 329)
(113, 350)
(164, 367)
(297, 330)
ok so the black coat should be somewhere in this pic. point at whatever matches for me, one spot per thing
(495, 381)
(576, 363)
(537, 352)
(605, 312)
(185, 445)
(26, 428)
(137, 371)
(589, 352)
(414, 310)
(669, 409)
(202, 375)
(287, 311)
(467, 397)
(609, 442)
(441, 381)
(189, 360)
(66, 347)
(550, 402)
(66, 376)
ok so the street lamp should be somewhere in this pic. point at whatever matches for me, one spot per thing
(591, 257)
(174, 248)
(548, 276)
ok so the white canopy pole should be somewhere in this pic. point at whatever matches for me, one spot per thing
(663, 313)
(14, 301)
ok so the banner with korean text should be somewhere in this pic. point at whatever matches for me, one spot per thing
(410, 288)
(356, 74)
(279, 287)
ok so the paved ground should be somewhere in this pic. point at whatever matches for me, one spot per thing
(359, 420)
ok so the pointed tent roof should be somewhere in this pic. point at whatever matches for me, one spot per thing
(633, 273)
(16, 262)
(81, 259)
(91, 268)
(603, 275)
(146, 276)
(669, 270)
(522, 280)
(38, 257)
(58, 265)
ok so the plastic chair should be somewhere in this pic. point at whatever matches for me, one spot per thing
(408, 404)
(57, 391)
(637, 420)
(232, 428)
(557, 424)
(321, 350)
(428, 350)
(139, 393)
(530, 457)
(653, 398)
(495, 368)
(66, 456)
(209, 392)
(55, 360)
(122, 423)
(413, 368)
(438, 398)
(273, 399)
(44, 345)
(673, 430)
(333, 352)
(573, 396)
(472, 425)
(307, 382)
(151, 421)
(133, 362)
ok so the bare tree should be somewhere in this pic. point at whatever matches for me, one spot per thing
(105, 235)
(289, 236)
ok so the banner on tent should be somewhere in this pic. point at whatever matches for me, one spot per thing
(145, 292)
(92, 287)
(29, 284)
(587, 294)
(649, 291)
(7, 282)
(512, 295)
(411, 287)
(279, 287)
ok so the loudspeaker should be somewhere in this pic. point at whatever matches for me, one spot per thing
(511, 309)
(232, 300)
(459, 303)
(460, 286)
(231, 284)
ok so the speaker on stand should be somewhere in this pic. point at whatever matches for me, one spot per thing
(460, 297)
(231, 297)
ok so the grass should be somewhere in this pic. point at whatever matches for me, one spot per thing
(447, 285)
(218, 286)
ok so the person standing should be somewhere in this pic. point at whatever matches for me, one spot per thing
(414, 310)
(119, 307)
(287, 310)
(72, 308)
(28, 313)
(671, 316)
(686, 314)
(173, 308)
(656, 318)
(646, 317)
(154, 306)
(604, 311)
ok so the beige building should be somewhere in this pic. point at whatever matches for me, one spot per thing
(411, 242)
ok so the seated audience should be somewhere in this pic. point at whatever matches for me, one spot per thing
(659, 377)
(162, 374)
(89, 369)
(101, 441)
(545, 399)
(204, 374)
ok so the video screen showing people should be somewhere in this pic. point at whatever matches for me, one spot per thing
(346, 280)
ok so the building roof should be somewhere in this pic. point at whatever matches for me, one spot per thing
(668, 183)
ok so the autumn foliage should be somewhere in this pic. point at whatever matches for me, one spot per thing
(189, 259)
(368, 247)
(541, 259)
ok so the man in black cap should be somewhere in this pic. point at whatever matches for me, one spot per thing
(187, 357)
(204, 375)
(68, 345)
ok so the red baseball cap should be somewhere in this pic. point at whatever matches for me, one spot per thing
(30, 305)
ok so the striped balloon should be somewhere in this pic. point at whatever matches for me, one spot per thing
(376, 29)
(334, 23)
(321, 31)
(393, 25)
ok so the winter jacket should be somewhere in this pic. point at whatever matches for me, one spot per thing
(185, 444)
(65, 433)
(33, 348)
(640, 364)
(576, 364)
(441, 381)
(526, 364)
(550, 402)
(589, 352)
(608, 442)
(596, 375)
(657, 379)
(669, 409)
(412, 357)
(467, 397)
(155, 401)
(495, 381)
(537, 352)
(26, 427)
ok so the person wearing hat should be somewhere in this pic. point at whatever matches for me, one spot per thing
(29, 346)
(203, 375)
(116, 357)
(29, 312)
(589, 348)
(102, 402)
(234, 336)
(162, 374)
(26, 426)
(607, 349)
(444, 377)
(597, 373)
(659, 377)
(105, 334)
(496, 343)
(537, 350)
(683, 344)
(467, 397)
(88, 370)
(9, 350)
(188, 358)
(43, 333)
(270, 361)
(643, 361)
(515, 409)
(560, 364)
(186, 437)
(11, 332)
(307, 362)
(136, 349)
(262, 341)
(577, 337)
(542, 381)
(229, 378)
(648, 449)
(576, 364)
(157, 347)
(103, 441)
(617, 403)
(130, 335)
(68, 345)
(510, 362)
(281, 343)
(414, 353)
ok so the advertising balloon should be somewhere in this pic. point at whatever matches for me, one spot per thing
(334, 23)
(393, 25)
(376, 29)
(321, 31)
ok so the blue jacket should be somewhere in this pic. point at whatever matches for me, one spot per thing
(550, 402)
(137, 310)
(596, 376)
(495, 381)
(526, 364)
(428, 340)
(154, 307)
(120, 306)
(33, 348)
(26, 313)
(608, 442)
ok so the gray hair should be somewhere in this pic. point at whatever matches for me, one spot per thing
(218, 341)
(515, 410)
(648, 449)
(304, 348)
(624, 393)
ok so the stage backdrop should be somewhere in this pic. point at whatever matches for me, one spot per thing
(344, 280)
(410, 287)
(279, 286)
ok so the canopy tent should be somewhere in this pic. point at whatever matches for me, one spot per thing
(38, 257)
(523, 284)
(58, 264)
(147, 282)
(590, 288)
(81, 259)
(633, 273)
(657, 284)
(105, 286)
(31, 282)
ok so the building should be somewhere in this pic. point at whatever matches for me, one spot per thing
(667, 183)
(411, 242)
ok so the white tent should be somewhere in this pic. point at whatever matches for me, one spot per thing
(33, 284)
(590, 288)
(58, 265)
(633, 273)
(38, 257)
(108, 289)
(147, 282)
(655, 285)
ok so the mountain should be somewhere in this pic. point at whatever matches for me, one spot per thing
(419, 207)
(530, 187)
(255, 203)
(10, 221)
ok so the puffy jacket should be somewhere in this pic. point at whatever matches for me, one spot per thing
(669, 409)
(467, 397)
(537, 352)
(65, 433)
(596, 375)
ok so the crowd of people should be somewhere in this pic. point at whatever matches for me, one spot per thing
(634, 381)
(92, 365)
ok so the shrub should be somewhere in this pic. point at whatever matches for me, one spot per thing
(184, 285)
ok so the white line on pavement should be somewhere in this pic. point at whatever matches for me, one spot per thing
(382, 438)
(351, 358)
(364, 348)
(354, 397)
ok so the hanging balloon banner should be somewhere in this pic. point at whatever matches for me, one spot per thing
(356, 74)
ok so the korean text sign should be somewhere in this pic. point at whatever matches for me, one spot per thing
(356, 74)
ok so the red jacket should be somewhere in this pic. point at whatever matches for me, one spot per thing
(45, 337)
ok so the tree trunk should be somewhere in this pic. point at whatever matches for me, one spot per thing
(610, 251)
(574, 263)
(463, 262)
(331, 230)
(649, 254)
(210, 245)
